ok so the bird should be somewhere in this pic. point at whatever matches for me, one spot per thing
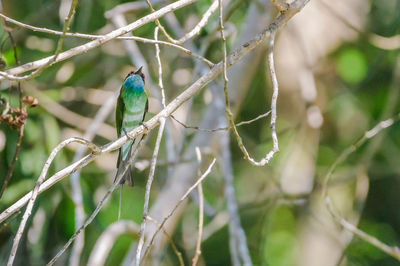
(132, 106)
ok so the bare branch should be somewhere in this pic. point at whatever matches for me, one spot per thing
(148, 189)
(35, 191)
(392, 251)
(221, 128)
(201, 213)
(127, 7)
(94, 37)
(76, 190)
(382, 42)
(53, 59)
(67, 116)
(99, 205)
(5, 111)
(161, 26)
(228, 111)
(203, 21)
(170, 108)
(205, 174)
(237, 238)
(171, 241)
(107, 239)
(9, 74)
(160, 72)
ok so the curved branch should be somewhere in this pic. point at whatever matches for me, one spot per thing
(35, 191)
(168, 110)
(107, 239)
(10, 74)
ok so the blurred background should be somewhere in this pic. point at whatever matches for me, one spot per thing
(338, 67)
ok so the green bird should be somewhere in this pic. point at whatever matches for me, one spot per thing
(132, 106)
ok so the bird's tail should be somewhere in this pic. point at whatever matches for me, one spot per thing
(122, 165)
(127, 176)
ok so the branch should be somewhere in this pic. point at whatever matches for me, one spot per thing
(203, 21)
(168, 110)
(160, 71)
(229, 114)
(94, 37)
(69, 117)
(205, 174)
(5, 111)
(237, 238)
(35, 191)
(148, 188)
(53, 58)
(99, 205)
(106, 241)
(9, 74)
(174, 248)
(201, 213)
(76, 190)
(221, 128)
(183, 174)
(392, 251)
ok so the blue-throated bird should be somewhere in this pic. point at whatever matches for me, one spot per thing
(132, 106)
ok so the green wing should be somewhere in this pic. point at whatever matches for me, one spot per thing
(119, 114)
(146, 108)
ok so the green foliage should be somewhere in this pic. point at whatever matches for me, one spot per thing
(352, 66)
(355, 85)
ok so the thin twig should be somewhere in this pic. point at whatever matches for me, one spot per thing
(148, 189)
(183, 175)
(160, 71)
(203, 21)
(94, 37)
(201, 213)
(234, 57)
(392, 251)
(161, 27)
(69, 117)
(35, 191)
(53, 59)
(95, 43)
(205, 174)
(221, 128)
(76, 189)
(382, 42)
(21, 128)
(106, 241)
(274, 99)
(127, 7)
(237, 238)
(99, 205)
(171, 241)
(280, 5)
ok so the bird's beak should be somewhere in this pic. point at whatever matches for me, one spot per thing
(139, 71)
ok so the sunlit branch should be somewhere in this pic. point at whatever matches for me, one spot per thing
(392, 251)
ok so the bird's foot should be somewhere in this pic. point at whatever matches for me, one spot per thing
(127, 135)
(146, 128)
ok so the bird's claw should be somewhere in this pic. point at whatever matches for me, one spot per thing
(127, 135)
(146, 128)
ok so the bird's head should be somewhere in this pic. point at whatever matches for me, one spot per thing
(137, 72)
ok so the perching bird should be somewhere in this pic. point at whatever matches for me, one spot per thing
(132, 106)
